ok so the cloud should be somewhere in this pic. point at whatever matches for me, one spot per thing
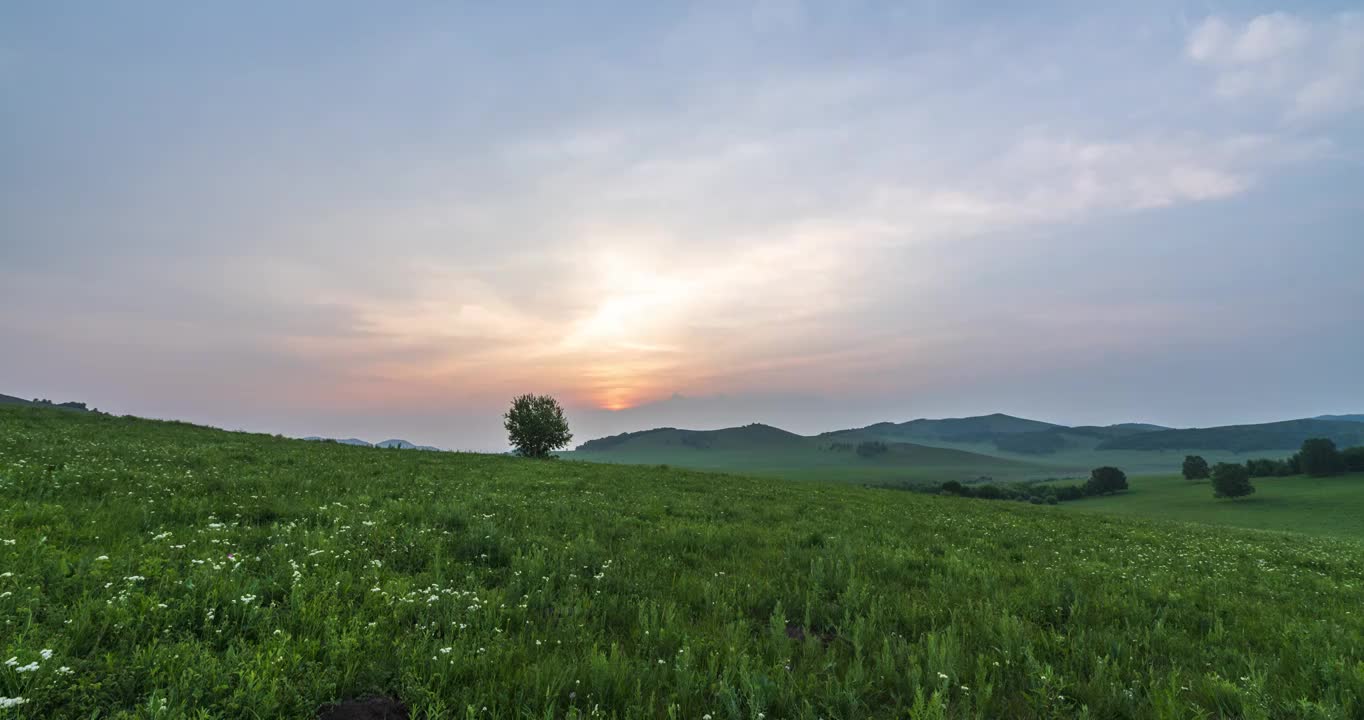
(1314, 67)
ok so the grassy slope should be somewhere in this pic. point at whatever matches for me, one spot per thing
(806, 462)
(1319, 506)
(235, 575)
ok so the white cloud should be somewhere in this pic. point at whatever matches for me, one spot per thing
(1314, 67)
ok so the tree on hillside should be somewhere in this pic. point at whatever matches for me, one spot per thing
(1353, 459)
(871, 448)
(1319, 457)
(1106, 480)
(536, 426)
(1231, 480)
(1195, 467)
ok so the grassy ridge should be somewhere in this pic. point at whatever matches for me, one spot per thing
(175, 571)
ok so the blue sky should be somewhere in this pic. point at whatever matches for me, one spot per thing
(340, 218)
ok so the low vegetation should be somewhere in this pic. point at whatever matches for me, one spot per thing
(165, 570)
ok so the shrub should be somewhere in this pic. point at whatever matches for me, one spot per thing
(1105, 480)
(1231, 480)
(1195, 467)
(1267, 467)
(1353, 459)
(989, 492)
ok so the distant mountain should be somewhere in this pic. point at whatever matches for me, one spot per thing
(748, 437)
(348, 441)
(394, 443)
(403, 445)
(1341, 418)
(1006, 432)
(1286, 435)
(967, 429)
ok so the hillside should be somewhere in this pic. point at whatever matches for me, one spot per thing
(236, 575)
(1344, 418)
(1286, 435)
(749, 437)
(968, 429)
(998, 446)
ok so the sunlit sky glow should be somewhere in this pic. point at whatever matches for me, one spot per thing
(359, 220)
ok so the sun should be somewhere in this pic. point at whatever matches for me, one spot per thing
(615, 399)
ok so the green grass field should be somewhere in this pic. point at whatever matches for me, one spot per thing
(1331, 506)
(804, 462)
(160, 570)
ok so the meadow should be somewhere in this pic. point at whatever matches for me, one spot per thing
(1328, 506)
(162, 570)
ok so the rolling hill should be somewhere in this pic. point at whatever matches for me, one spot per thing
(1343, 418)
(164, 569)
(1286, 435)
(748, 437)
(765, 450)
(996, 446)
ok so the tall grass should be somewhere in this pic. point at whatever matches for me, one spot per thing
(175, 571)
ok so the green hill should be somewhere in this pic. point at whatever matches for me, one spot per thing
(749, 437)
(968, 429)
(1346, 418)
(998, 446)
(1286, 435)
(165, 570)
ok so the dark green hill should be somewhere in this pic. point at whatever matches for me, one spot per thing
(748, 437)
(11, 400)
(1343, 418)
(1285, 435)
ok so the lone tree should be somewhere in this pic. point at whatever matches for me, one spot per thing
(1319, 457)
(1195, 467)
(1231, 480)
(1106, 480)
(536, 426)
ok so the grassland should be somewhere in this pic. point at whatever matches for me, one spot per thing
(160, 570)
(1329, 506)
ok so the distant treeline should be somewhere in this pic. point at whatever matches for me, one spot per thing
(1318, 457)
(1102, 481)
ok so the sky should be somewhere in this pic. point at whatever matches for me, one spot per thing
(378, 220)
